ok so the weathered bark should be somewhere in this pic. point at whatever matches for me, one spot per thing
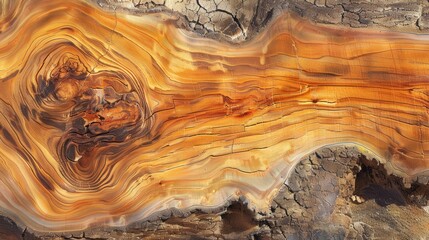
(238, 21)
(108, 119)
(335, 192)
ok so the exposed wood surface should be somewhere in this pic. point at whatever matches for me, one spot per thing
(108, 118)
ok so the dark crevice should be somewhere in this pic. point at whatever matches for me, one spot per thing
(237, 218)
(374, 183)
(315, 203)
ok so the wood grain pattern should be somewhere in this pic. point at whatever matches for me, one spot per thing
(108, 118)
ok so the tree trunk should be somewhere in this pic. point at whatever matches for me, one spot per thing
(107, 119)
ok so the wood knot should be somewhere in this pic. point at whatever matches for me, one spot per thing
(98, 109)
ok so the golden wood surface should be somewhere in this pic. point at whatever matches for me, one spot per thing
(107, 118)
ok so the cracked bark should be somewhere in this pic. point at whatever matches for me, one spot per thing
(316, 202)
(238, 21)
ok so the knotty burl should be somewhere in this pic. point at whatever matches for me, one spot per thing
(107, 119)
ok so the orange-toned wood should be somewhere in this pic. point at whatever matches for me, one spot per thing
(107, 118)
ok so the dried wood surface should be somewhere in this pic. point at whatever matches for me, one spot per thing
(108, 118)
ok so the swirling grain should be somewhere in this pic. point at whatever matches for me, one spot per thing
(108, 118)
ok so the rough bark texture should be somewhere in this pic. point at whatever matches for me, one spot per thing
(333, 193)
(243, 19)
